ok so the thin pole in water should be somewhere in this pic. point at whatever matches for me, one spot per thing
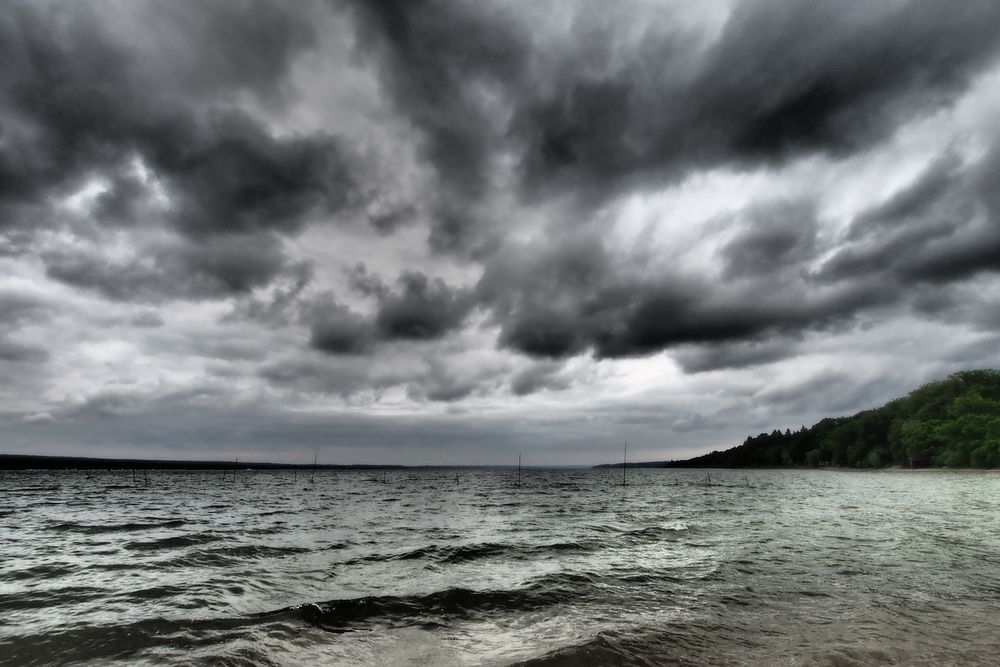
(519, 468)
(236, 464)
(624, 464)
(313, 478)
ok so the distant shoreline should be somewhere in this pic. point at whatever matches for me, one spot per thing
(34, 462)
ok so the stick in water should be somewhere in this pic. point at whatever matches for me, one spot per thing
(624, 463)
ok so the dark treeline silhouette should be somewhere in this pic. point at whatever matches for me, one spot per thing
(954, 422)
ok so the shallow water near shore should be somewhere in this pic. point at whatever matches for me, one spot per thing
(440, 567)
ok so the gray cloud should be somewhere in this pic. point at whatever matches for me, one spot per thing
(216, 217)
(217, 267)
(783, 79)
(538, 377)
(728, 356)
(568, 298)
(420, 309)
(773, 238)
(337, 329)
(12, 350)
(944, 227)
(18, 307)
(81, 101)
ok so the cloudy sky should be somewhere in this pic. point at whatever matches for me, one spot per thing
(449, 232)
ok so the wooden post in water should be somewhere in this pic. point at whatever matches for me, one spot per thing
(624, 464)
(313, 478)
(133, 474)
(236, 464)
(519, 468)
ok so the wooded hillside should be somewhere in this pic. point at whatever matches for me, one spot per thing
(954, 423)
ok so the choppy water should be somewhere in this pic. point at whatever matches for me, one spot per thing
(439, 568)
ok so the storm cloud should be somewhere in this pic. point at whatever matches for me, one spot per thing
(492, 225)
(84, 106)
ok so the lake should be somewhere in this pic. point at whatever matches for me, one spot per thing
(445, 567)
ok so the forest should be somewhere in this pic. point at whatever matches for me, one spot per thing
(952, 423)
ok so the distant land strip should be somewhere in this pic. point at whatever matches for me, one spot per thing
(952, 423)
(31, 462)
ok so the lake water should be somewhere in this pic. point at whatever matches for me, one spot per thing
(435, 567)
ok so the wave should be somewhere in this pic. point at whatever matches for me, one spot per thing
(101, 644)
(440, 608)
(671, 644)
(131, 527)
(155, 592)
(47, 599)
(174, 542)
(604, 649)
(228, 556)
(464, 553)
(46, 571)
(655, 533)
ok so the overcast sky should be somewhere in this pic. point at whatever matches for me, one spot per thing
(449, 232)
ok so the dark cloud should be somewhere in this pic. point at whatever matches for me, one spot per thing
(365, 283)
(283, 306)
(911, 203)
(387, 222)
(441, 386)
(219, 266)
(336, 329)
(12, 350)
(943, 228)
(573, 297)
(729, 356)
(313, 377)
(158, 153)
(549, 298)
(17, 308)
(538, 377)
(420, 309)
(80, 102)
(773, 238)
(782, 80)
(245, 46)
(439, 60)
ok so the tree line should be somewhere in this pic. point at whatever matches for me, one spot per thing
(954, 422)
